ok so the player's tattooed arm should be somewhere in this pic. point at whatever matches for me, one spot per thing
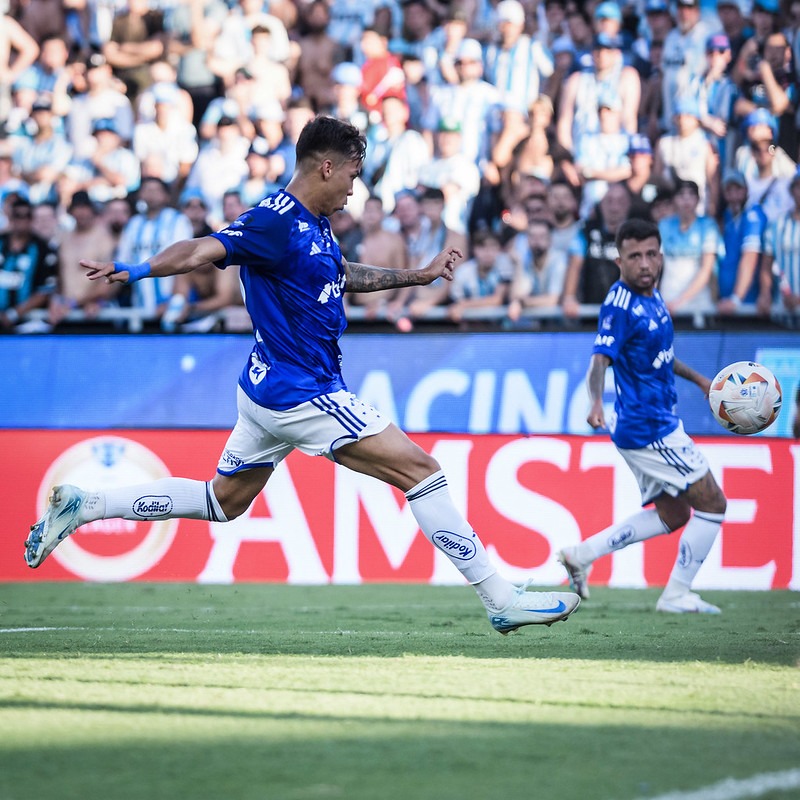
(365, 278)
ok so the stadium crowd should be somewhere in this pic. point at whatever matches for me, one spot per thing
(523, 132)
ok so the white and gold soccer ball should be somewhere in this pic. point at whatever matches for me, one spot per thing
(745, 397)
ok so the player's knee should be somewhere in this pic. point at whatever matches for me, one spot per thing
(676, 517)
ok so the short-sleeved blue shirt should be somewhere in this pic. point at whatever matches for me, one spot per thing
(293, 280)
(636, 333)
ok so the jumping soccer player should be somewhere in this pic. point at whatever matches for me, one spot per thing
(291, 392)
(635, 334)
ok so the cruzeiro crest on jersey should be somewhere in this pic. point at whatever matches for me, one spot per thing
(279, 202)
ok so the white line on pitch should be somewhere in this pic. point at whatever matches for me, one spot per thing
(744, 789)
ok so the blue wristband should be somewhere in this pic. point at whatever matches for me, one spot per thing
(135, 271)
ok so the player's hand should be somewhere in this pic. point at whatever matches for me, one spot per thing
(596, 417)
(95, 270)
(443, 265)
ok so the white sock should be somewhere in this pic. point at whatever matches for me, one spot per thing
(637, 528)
(167, 498)
(695, 543)
(449, 532)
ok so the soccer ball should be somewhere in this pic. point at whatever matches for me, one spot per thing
(745, 397)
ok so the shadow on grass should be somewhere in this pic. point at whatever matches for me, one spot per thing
(382, 620)
(304, 757)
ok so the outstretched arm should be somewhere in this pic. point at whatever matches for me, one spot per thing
(685, 371)
(365, 278)
(180, 257)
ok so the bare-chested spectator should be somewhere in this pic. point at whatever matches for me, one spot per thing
(319, 55)
(18, 51)
(90, 238)
(379, 243)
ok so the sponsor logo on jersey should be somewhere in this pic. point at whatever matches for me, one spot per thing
(664, 357)
(258, 369)
(302, 226)
(332, 289)
(229, 232)
(603, 340)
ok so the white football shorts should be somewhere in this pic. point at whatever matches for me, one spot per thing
(263, 437)
(670, 465)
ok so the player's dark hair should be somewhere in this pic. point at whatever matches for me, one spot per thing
(638, 230)
(329, 135)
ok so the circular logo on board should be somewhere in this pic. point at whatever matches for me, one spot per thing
(109, 549)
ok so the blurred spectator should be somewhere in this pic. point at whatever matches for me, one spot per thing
(581, 34)
(471, 101)
(194, 26)
(111, 170)
(388, 247)
(220, 166)
(780, 266)
(396, 154)
(138, 38)
(766, 80)
(517, 65)
(733, 18)
(684, 56)
(440, 234)
(269, 122)
(194, 208)
(347, 232)
(164, 78)
(233, 47)
(641, 184)
(479, 282)
(562, 212)
(49, 74)
(346, 103)
(742, 236)
(539, 269)
(46, 223)
(44, 18)
(419, 20)
(258, 182)
(592, 268)
(40, 161)
(381, 73)
(350, 17)
(716, 94)
(199, 294)
(419, 94)
(602, 156)
(91, 239)
(687, 155)
(154, 227)
(167, 146)
(563, 52)
(18, 51)
(320, 55)
(651, 106)
(607, 77)
(239, 102)
(116, 214)
(447, 39)
(690, 244)
(663, 204)
(455, 173)
(103, 98)
(28, 267)
(267, 66)
(766, 167)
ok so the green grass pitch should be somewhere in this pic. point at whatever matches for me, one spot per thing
(266, 692)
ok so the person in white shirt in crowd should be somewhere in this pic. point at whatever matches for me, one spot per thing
(687, 155)
(684, 57)
(167, 145)
(516, 64)
(479, 283)
(155, 226)
(455, 173)
(396, 154)
(690, 244)
(767, 168)
(539, 270)
(220, 165)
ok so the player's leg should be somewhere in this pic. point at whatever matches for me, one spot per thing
(709, 504)
(393, 458)
(244, 467)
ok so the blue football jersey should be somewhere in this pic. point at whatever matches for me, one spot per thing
(636, 333)
(293, 281)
